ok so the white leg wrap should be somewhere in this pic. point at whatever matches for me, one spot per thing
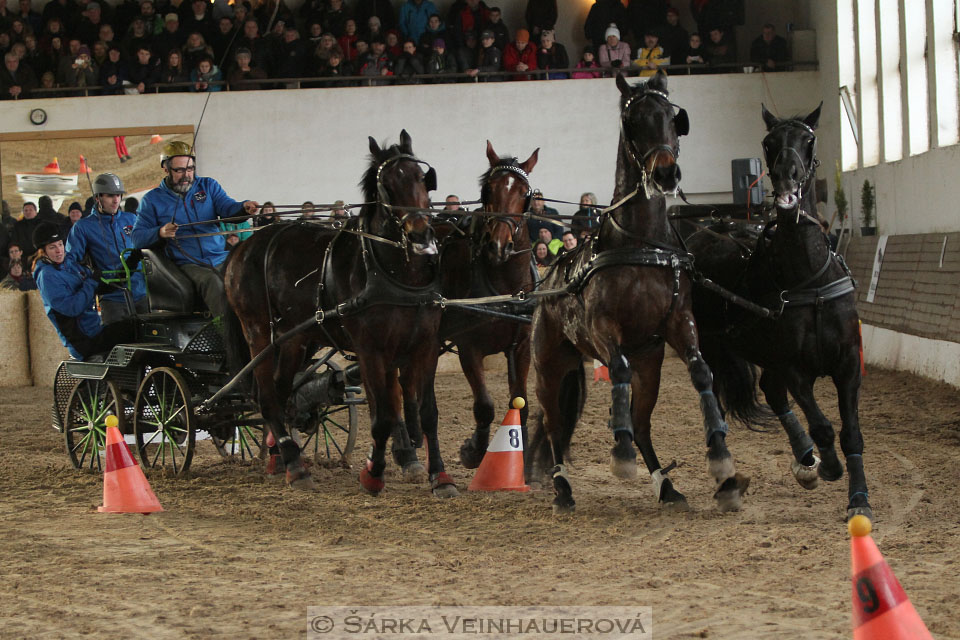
(656, 479)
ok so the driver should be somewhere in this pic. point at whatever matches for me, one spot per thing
(67, 289)
(182, 198)
(103, 236)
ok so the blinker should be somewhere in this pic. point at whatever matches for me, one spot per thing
(430, 179)
(681, 122)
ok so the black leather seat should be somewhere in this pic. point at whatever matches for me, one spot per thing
(169, 288)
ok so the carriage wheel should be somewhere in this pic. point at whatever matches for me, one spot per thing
(85, 429)
(163, 421)
(245, 442)
(336, 433)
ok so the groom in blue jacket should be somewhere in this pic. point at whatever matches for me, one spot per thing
(184, 198)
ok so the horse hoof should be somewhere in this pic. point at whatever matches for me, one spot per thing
(807, 476)
(275, 465)
(860, 511)
(414, 473)
(370, 484)
(299, 478)
(671, 499)
(729, 495)
(562, 507)
(722, 468)
(470, 455)
(443, 486)
(828, 474)
(675, 505)
(624, 469)
(303, 484)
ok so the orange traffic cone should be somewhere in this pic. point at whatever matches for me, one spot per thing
(83, 166)
(881, 609)
(600, 372)
(125, 489)
(53, 167)
(502, 466)
(156, 139)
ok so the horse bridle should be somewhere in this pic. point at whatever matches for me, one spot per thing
(512, 222)
(814, 162)
(681, 124)
(383, 198)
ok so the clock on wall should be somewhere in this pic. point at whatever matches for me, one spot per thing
(38, 116)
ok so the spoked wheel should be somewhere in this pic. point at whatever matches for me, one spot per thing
(332, 440)
(85, 429)
(244, 442)
(163, 421)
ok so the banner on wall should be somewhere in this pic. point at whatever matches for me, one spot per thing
(877, 264)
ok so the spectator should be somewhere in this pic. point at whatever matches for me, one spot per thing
(602, 14)
(64, 11)
(334, 67)
(695, 54)
(17, 279)
(466, 15)
(538, 211)
(266, 215)
(381, 9)
(334, 17)
(32, 56)
(614, 53)
(435, 29)
(173, 73)
(170, 38)
(106, 36)
(643, 15)
(569, 240)
(651, 55)
(46, 212)
(50, 57)
(136, 37)
(719, 50)
(339, 211)
(221, 39)
(586, 219)
(489, 58)
(673, 37)
(292, 54)
(520, 55)
(194, 50)
(374, 28)
(392, 38)
(130, 205)
(541, 15)
(89, 29)
(12, 251)
(23, 229)
(587, 61)
(545, 236)
(552, 55)
(328, 44)
(414, 15)
(348, 41)
(253, 43)
(542, 258)
(30, 17)
(98, 54)
(198, 19)
(501, 35)
(378, 63)
(16, 81)
(769, 50)
(718, 14)
(152, 20)
(241, 232)
(408, 64)
(242, 72)
(441, 62)
(113, 73)
(145, 72)
(308, 211)
(452, 203)
(205, 74)
(88, 205)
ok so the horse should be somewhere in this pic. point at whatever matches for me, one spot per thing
(803, 323)
(620, 296)
(490, 258)
(372, 286)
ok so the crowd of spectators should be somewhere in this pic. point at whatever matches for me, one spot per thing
(141, 46)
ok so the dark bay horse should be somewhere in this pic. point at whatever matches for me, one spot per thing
(814, 329)
(379, 274)
(491, 258)
(628, 291)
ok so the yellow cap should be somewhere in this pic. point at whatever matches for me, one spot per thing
(112, 421)
(859, 526)
(519, 403)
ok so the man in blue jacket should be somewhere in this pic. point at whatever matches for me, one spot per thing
(183, 198)
(414, 15)
(67, 289)
(103, 236)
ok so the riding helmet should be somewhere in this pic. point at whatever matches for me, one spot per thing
(46, 233)
(109, 184)
(174, 149)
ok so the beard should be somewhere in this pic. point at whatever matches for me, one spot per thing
(181, 186)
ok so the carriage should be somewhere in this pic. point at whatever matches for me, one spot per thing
(160, 388)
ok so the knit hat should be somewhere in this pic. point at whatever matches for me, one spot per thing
(439, 44)
(487, 34)
(75, 205)
(522, 35)
(612, 31)
(84, 49)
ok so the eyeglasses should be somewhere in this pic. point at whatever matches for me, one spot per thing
(181, 171)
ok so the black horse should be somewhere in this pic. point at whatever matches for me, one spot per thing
(804, 323)
(627, 291)
(372, 288)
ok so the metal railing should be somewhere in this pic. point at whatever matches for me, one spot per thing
(441, 78)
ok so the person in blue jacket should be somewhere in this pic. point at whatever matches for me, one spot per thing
(68, 289)
(183, 198)
(103, 236)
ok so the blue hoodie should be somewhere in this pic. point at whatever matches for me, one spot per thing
(104, 237)
(204, 202)
(67, 290)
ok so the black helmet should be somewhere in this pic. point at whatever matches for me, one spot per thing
(45, 233)
(108, 183)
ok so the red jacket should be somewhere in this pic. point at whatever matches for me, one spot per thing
(512, 56)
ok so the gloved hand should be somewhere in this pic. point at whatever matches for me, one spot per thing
(104, 287)
(133, 259)
(97, 274)
(616, 64)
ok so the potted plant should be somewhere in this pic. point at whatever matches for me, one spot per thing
(839, 197)
(867, 203)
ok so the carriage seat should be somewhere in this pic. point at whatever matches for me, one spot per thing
(169, 288)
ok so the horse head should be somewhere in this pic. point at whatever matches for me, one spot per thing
(505, 191)
(397, 182)
(790, 150)
(651, 127)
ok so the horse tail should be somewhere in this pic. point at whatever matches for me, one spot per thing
(236, 349)
(573, 395)
(735, 381)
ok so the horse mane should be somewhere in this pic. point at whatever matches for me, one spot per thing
(368, 184)
(504, 161)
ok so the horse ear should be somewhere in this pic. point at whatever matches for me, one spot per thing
(528, 164)
(768, 118)
(492, 156)
(625, 89)
(658, 81)
(374, 147)
(813, 119)
(406, 142)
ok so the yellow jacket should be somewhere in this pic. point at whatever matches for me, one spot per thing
(647, 56)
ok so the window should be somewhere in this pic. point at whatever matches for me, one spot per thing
(867, 92)
(846, 67)
(888, 14)
(915, 71)
(945, 71)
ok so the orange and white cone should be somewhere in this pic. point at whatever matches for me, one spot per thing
(881, 608)
(53, 167)
(502, 465)
(84, 167)
(156, 139)
(600, 372)
(125, 488)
